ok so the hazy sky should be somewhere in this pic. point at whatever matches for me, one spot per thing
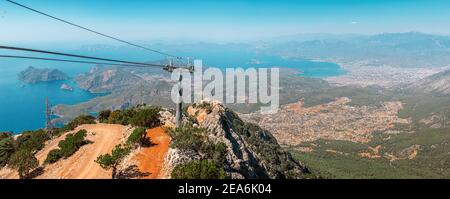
(228, 20)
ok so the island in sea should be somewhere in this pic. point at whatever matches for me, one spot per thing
(66, 87)
(33, 75)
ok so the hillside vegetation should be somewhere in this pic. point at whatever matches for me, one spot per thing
(418, 149)
(423, 154)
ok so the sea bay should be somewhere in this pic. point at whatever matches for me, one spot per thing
(23, 105)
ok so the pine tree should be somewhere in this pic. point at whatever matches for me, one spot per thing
(24, 162)
(7, 148)
(112, 161)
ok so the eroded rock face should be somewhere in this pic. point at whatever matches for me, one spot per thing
(176, 157)
(253, 153)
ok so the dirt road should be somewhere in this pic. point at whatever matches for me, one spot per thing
(81, 165)
(103, 138)
(151, 159)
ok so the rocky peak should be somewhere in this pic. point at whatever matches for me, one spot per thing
(252, 152)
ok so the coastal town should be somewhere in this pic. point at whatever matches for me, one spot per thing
(370, 73)
(296, 124)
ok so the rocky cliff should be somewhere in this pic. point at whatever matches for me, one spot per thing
(252, 152)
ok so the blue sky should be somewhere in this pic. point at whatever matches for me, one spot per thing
(229, 20)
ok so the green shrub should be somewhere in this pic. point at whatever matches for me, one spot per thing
(80, 120)
(187, 137)
(7, 148)
(103, 116)
(60, 131)
(215, 152)
(122, 117)
(117, 117)
(4, 135)
(138, 117)
(67, 147)
(24, 162)
(202, 169)
(72, 143)
(111, 161)
(146, 117)
(53, 156)
(139, 137)
(32, 140)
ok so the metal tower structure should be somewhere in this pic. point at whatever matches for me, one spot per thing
(48, 113)
(170, 67)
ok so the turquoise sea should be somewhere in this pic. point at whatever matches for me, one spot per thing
(23, 105)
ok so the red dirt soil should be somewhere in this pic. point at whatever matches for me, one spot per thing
(151, 159)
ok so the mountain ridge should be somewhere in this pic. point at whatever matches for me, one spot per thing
(438, 83)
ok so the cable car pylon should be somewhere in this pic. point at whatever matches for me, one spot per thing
(170, 67)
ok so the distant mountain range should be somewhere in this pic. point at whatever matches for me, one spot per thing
(410, 49)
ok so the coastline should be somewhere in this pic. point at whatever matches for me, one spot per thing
(24, 107)
(93, 102)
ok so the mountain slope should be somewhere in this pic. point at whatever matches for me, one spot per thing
(252, 152)
(246, 150)
(438, 83)
(105, 80)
